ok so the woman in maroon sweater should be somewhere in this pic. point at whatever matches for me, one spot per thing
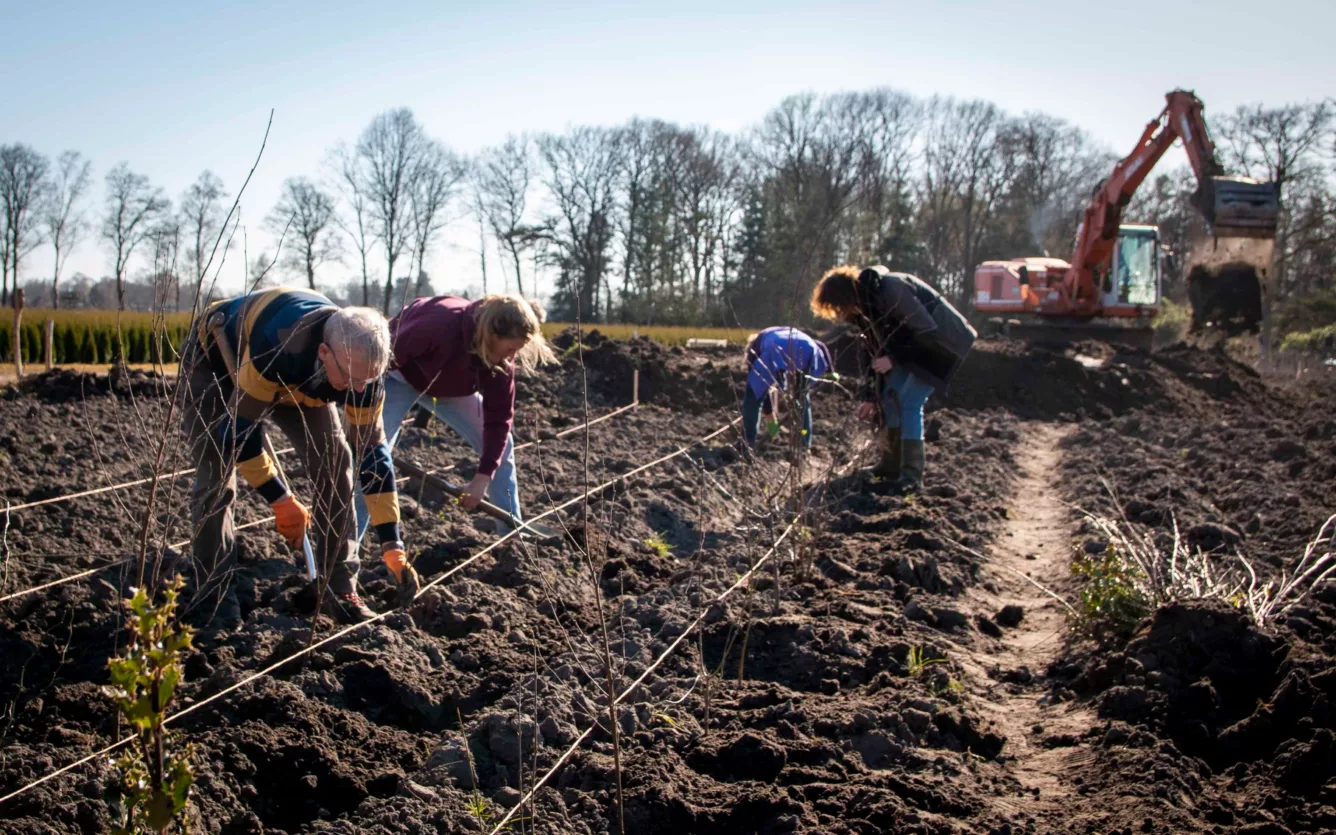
(457, 358)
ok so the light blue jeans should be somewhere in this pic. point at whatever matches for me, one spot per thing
(902, 399)
(462, 414)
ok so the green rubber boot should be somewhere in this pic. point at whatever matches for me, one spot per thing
(889, 466)
(911, 466)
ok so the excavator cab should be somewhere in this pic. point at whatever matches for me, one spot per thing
(1131, 285)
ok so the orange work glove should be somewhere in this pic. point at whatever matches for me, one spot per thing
(291, 519)
(405, 576)
(396, 560)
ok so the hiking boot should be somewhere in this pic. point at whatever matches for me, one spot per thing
(342, 602)
(911, 467)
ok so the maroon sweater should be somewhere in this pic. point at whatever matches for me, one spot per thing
(433, 350)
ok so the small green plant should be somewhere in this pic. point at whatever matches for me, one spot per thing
(1112, 602)
(658, 544)
(480, 809)
(155, 777)
(918, 661)
(951, 686)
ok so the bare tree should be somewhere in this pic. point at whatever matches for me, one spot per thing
(133, 205)
(653, 158)
(202, 217)
(345, 167)
(389, 151)
(878, 233)
(583, 167)
(481, 215)
(501, 181)
(439, 173)
(1057, 168)
(965, 173)
(809, 150)
(22, 189)
(306, 212)
(165, 238)
(4, 257)
(1284, 145)
(705, 191)
(62, 214)
(258, 271)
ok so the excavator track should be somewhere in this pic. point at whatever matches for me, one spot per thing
(1062, 334)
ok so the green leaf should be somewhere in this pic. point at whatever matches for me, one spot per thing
(182, 779)
(160, 809)
(170, 677)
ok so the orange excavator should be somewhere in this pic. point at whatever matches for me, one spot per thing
(1114, 271)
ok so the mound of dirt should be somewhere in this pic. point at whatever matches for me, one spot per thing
(1083, 381)
(674, 377)
(63, 385)
(1238, 719)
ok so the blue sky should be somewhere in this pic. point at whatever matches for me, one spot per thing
(173, 88)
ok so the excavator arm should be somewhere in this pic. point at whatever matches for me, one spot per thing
(1233, 206)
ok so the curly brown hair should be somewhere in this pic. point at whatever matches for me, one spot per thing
(835, 296)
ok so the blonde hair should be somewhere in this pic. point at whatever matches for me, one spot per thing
(836, 294)
(509, 316)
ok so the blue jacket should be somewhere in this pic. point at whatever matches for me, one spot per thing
(783, 348)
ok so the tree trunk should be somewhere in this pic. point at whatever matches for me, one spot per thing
(389, 286)
(519, 279)
(55, 281)
(366, 282)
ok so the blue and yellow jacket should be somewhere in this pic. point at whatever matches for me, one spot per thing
(275, 335)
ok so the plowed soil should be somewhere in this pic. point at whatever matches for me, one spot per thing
(898, 671)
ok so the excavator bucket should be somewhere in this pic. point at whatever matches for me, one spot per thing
(1226, 298)
(1227, 281)
(1228, 272)
(1238, 207)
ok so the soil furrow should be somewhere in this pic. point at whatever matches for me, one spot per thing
(1006, 675)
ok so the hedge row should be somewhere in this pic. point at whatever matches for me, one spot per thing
(74, 342)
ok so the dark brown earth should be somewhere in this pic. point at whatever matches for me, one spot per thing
(797, 708)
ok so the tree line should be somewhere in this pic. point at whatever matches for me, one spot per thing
(658, 223)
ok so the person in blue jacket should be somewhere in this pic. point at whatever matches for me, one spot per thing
(773, 357)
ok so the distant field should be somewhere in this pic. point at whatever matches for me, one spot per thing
(88, 337)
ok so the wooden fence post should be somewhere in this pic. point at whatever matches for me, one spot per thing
(635, 386)
(49, 345)
(18, 337)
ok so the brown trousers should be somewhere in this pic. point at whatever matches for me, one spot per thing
(315, 433)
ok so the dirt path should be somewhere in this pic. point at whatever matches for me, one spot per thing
(1042, 749)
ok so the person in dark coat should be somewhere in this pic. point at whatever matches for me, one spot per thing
(913, 341)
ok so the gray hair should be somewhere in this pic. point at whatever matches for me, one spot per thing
(363, 333)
